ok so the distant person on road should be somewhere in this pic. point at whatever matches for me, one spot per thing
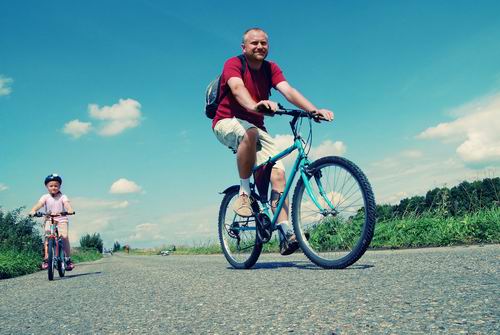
(239, 122)
(54, 202)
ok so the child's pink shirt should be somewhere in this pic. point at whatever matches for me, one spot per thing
(55, 204)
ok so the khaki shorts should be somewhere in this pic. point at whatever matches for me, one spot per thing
(230, 132)
(62, 227)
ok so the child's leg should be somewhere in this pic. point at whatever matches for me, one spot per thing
(63, 231)
(46, 242)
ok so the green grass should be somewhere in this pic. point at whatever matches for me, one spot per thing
(79, 255)
(433, 230)
(13, 263)
(18, 263)
(425, 230)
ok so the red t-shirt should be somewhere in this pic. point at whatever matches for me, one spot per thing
(257, 84)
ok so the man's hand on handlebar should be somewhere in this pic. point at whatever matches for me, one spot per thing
(323, 114)
(267, 107)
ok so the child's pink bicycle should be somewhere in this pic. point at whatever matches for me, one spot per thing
(56, 257)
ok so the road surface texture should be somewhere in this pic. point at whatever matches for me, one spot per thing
(423, 291)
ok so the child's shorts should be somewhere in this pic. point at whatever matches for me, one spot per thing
(62, 227)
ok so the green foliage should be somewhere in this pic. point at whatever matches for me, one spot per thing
(79, 255)
(19, 233)
(20, 245)
(462, 199)
(431, 229)
(14, 263)
(93, 241)
(116, 246)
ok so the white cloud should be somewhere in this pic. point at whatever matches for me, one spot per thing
(123, 185)
(146, 232)
(328, 148)
(95, 215)
(5, 88)
(118, 117)
(404, 175)
(89, 203)
(477, 129)
(3, 187)
(325, 148)
(76, 128)
(412, 154)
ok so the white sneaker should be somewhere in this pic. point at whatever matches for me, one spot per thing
(243, 205)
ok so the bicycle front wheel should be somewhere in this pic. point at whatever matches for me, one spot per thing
(50, 260)
(238, 235)
(338, 236)
(61, 265)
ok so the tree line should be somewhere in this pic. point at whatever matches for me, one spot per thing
(466, 197)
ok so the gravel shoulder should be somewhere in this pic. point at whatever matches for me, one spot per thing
(420, 291)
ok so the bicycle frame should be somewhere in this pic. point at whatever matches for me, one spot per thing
(54, 234)
(300, 166)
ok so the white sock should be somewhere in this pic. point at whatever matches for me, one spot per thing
(245, 186)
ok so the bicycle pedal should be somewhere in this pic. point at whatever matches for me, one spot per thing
(264, 231)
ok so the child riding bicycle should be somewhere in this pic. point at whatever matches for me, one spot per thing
(55, 202)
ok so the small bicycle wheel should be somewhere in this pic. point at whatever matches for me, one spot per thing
(238, 235)
(61, 264)
(338, 236)
(50, 259)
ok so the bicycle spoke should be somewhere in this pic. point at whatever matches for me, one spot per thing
(336, 239)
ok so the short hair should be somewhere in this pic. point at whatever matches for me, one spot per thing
(251, 29)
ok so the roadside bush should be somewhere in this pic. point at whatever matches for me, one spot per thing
(116, 246)
(79, 255)
(19, 232)
(93, 241)
(14, 263)
(21, 244)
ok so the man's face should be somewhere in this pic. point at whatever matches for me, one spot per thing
(255, 45)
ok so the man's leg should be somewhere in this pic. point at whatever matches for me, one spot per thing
(288, 242)
(246, 154)
(246, 157)
(278, 182)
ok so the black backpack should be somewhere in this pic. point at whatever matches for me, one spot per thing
(213, 95)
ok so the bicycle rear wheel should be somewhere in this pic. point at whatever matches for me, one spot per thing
(50, 260)
(61, 264)
(238, 235)
(339, 236)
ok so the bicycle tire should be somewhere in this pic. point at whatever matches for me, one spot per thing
(50, 259)
(227, 237)
(340, 227)
(61, 268)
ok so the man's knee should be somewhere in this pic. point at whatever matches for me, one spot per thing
(278, 177)
(251, 135)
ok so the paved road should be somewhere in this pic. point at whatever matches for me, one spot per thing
(426, 291)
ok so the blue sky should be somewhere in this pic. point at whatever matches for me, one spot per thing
(111, 93)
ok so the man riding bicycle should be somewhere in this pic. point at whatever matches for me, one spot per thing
(239, 122)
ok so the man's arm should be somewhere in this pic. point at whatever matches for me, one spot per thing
(243, 97)
(296, 98)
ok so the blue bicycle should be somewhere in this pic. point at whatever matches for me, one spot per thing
(333, 207)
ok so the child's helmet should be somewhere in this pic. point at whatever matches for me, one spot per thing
(53, 177)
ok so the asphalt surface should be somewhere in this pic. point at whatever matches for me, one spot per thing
(422, 291)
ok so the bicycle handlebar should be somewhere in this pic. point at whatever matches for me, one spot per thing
(40, 214)
(293, 112)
